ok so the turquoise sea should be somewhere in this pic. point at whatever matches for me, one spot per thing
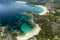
(11, 14)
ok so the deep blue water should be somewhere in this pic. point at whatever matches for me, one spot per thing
(11, 15)
(11, 7)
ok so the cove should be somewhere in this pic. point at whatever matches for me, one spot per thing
(11, 14)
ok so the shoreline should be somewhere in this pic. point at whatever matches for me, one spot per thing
(35, 31)
(45, 10)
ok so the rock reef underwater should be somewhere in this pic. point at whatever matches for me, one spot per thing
(13, 18)
(20, 23)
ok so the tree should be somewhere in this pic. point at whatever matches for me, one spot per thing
(50, 25)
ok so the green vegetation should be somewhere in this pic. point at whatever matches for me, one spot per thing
(50, 25)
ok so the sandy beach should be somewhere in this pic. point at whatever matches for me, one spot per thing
(45, 10)
(35, 31)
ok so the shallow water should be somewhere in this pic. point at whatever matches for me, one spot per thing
(37, 9)
(11, 15)
(19, 23)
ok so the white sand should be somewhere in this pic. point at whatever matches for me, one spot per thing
(45, 10)
(34, 31)
(21, 2)
(30, 34)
